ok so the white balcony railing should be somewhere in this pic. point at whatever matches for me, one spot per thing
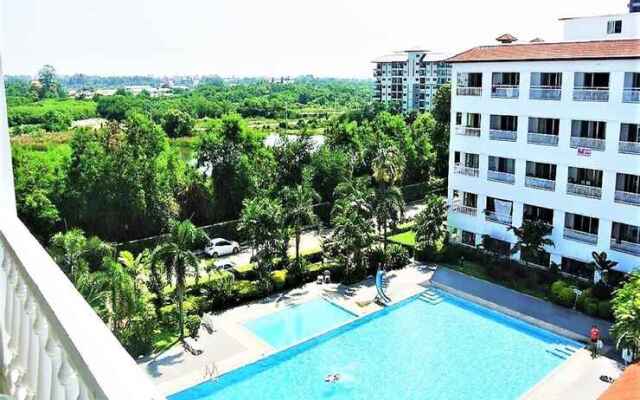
(462, 209)
(545, 93)
(498, 176)
(580, 236)
(54, 346)
(503, 219)
(627, 197)
(467, 131)
(631, 95)
(509, 136)
(591, 94)
(542, 139)
(505, 91)
(625, 247)
(469, 91)
(593, 192)
(629, 147)
(591, 143)
(540, 183)
(464, 170)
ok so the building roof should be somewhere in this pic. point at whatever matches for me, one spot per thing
(401, 56)
(593, 16)
(394, 57)
(627, 387)
(588, 50)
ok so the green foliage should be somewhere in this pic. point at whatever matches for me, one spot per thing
(52, 114)
(603, 266)
(397, 257)
(177, 123)
(407, 239)
(429, 226)
(192, 325)
(532, 237)
(626, 311)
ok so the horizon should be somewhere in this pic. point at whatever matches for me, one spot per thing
(285, 38)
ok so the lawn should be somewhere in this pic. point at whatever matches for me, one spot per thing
(407, 238)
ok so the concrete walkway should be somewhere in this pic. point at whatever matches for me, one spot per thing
(575, 323)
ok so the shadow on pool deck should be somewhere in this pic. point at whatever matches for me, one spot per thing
(550, 313)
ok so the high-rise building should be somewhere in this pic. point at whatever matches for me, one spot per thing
(551, 132)
(410, 78)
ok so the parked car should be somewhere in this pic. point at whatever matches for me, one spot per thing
(225, 265)
(220, 247)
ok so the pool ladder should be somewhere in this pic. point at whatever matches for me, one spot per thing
(561, 350)
(430, 296)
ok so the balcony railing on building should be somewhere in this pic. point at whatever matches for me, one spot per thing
(540, 183)
(600, 94)
(504, 177)
(462, 209)
(631, 95)
(580, 236)
(469, 91)
(542, 139)
(505, 91)
(593, 192)
(503, 219)
(629, 147)
(625, 247)
(545, 93)
(54, 345)
(507, 136)
(627, 197)
(467, 131)
(591, 143)
(461, 169)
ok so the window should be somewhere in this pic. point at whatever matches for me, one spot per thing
(468, 238)
(500, 164)
(541, 170)
(546, 126)
(575, 267)
(614, 27)
(535, 213)
(504, 122)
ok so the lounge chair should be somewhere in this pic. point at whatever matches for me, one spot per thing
(208, 322)
(327, 277)
(192, 346)
(320, 279)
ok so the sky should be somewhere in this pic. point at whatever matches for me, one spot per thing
(326, 38)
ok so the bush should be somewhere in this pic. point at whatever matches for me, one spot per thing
(601, 291)
(591, 307)
(567, 297)
(244, 290)
(279, 279)
(375, 257)
(556, 288)
(397, 257)
(604, 310)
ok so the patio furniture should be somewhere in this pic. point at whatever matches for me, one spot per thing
(327, 277)
(192, 346)
(320, 279)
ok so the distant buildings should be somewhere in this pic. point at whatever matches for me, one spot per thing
(550, 132)
(410, 78)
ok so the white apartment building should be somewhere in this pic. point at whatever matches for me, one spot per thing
(550, 131)
(410, 78)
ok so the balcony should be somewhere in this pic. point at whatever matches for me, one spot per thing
(469, 91)
(504, 177)
(462, 209)
(464, 170)
(592, 192)
(467, 131)
(542, 139)
(545, 93)
(627, 198)
(629, 147)
(505, 91)
(591, 143)
(55, 346)
(631, 95)
(598, 94)
(540, 183)
(625, 247)
(502, 219)
(580, 236)
(507, 136)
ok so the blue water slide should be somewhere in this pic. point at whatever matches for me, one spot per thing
(379, 287)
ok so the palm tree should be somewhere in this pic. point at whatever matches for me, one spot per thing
(136, 266)
(602, 267)
(299, 211)
(532, 238)
(120, 289)
(68, 250)
(430, 225)
(352, 234)
(626, 310)
(177, 256)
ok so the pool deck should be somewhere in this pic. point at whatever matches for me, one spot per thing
(232, 345)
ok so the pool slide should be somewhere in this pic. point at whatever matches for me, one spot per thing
(379, 282)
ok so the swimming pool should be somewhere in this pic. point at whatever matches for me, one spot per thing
(435, 346)
(296, 323)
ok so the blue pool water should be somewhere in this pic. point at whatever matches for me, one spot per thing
(412, 350)
(295, 324)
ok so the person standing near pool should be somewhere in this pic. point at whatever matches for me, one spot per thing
(595, 338)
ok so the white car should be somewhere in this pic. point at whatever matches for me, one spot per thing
(221, 247)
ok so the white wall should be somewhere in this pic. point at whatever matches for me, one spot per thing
(595, 28)
(609, 161)
(7, 193)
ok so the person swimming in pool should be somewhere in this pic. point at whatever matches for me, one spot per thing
(332, 378)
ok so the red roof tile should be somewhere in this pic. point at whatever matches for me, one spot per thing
(604, 49)
(627, 387)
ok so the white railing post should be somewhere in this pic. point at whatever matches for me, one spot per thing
(55, 354)
(69, 380)
(45, 364)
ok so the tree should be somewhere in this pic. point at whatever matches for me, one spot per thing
(602, 268)
(68, 250)
(532, 238)
(121, 293)
(626, 311)
(135, 266)
(47, 84)
(56, 121)
(430, 227)
(177, 256)
(440, 137)
(298, 208)
(177, 123)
